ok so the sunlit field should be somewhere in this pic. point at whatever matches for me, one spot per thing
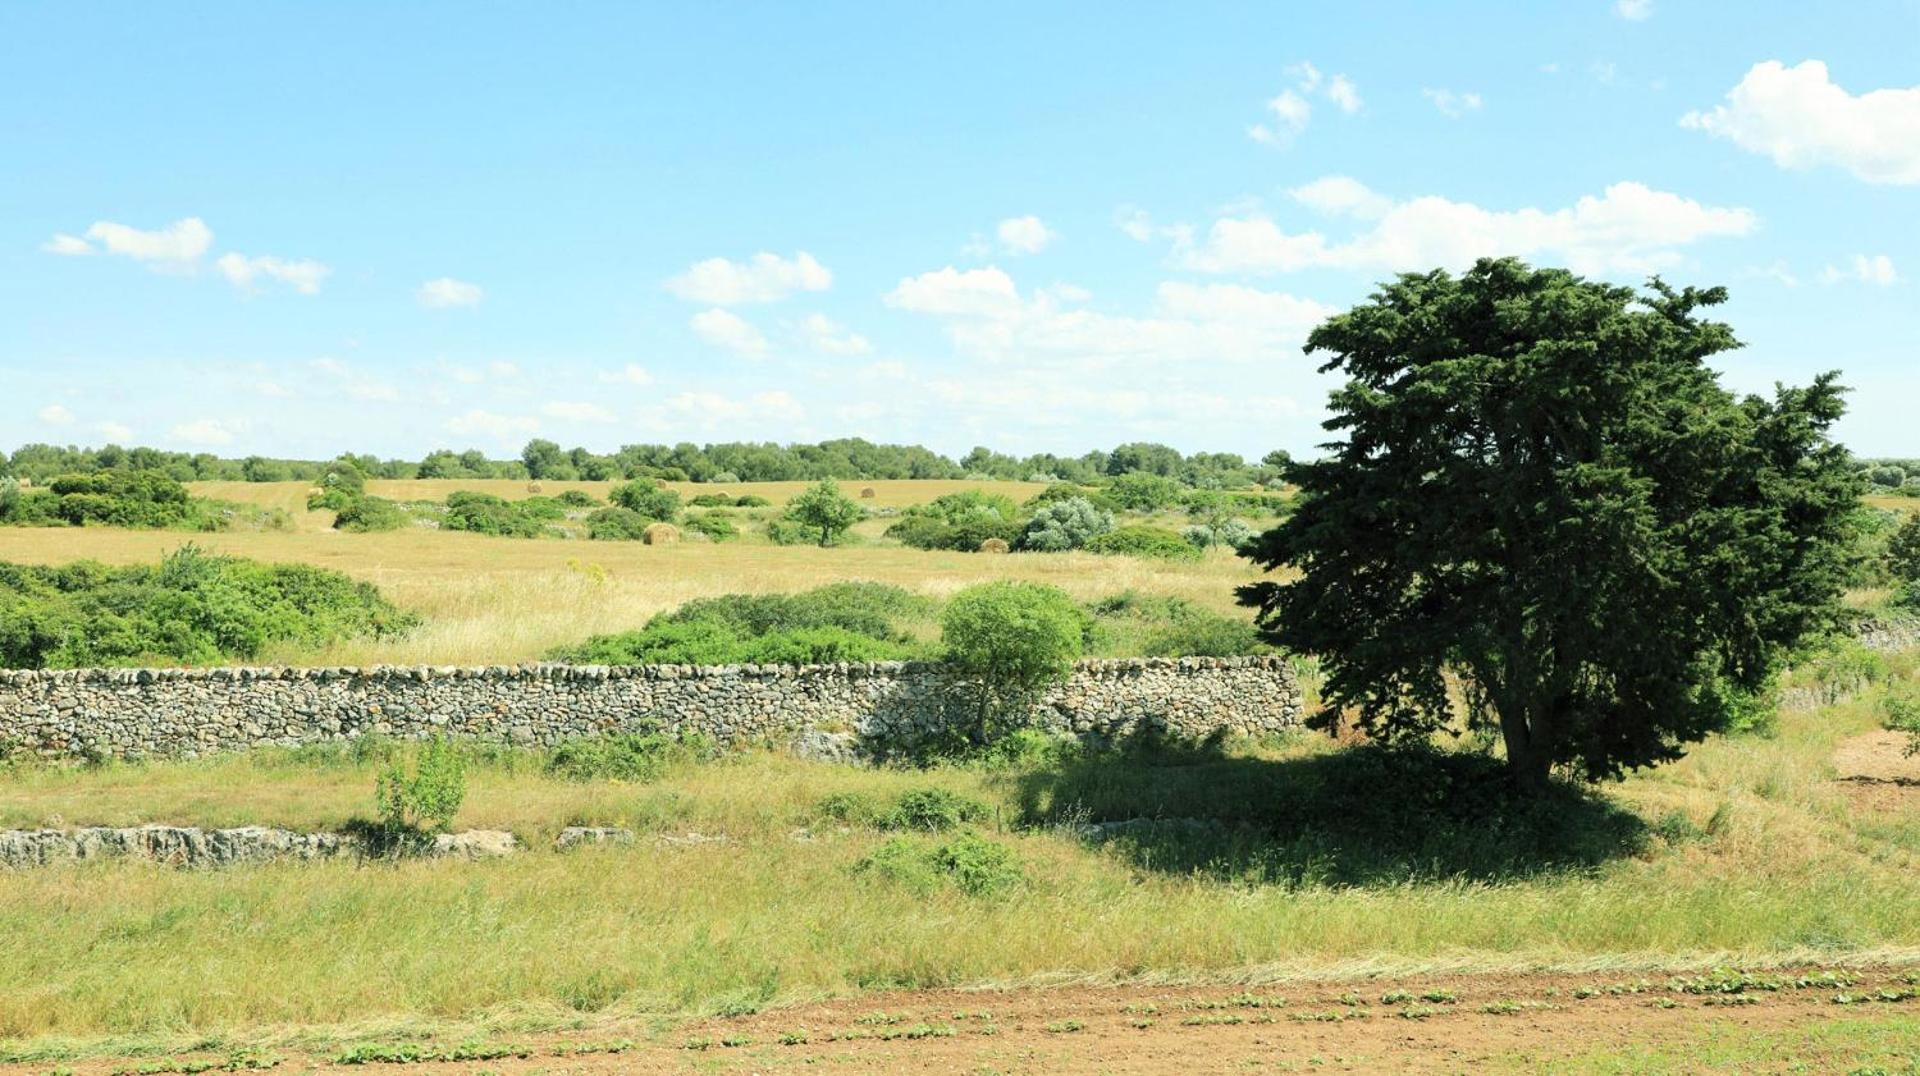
(489, 599)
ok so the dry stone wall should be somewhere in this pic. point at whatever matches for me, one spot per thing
(831, 710)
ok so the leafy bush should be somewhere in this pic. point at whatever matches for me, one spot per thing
(1205, 635)
(1008, 640)
(1903, 550)
(484, 513)
(426, 799)
(191, 608)
(543, 508)
(968, 505)
(1155, 542)
(644, 497)
(617, 525)
(1901, 710)
(1231, 533)
(969, 862)
(577, 498)
(1065, 524)
(834, 623)
(636, 757)
(1141, 492)
(751, 500)
(933, 810)
(367, 514)
(118, 497)
(1053, 494)
(818, 646)
(966, 536)
(716, 527)
(711, 500)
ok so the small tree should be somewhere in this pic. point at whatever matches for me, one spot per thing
(1010, 640)
(1903, 551)
(426, 799)
(648, 499)
(825, 509)
(1065, 524)
(1543, 504)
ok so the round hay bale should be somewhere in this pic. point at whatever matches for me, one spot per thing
(533, 487)
(994, 545)
(867, 493)
(660, 534)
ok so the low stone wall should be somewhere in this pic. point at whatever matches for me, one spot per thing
(835, 709)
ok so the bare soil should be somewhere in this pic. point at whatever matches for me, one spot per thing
(1436, 1024)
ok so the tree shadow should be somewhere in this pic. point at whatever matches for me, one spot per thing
(1361, 816)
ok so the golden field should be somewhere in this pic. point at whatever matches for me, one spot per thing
(492, 600)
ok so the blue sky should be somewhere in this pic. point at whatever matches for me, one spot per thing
(300, 229)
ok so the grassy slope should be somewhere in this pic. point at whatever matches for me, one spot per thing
(489, 600)
(1795, 870)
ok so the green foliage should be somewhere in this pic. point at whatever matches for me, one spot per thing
(929, 809)
(122, 497)
(1143, 492)
(366, 514)
(1009, 640)
(834, 623)
(1058, 491)
(191, 608)
(824, 510)
(1901, 711)
(484, 513)
(426, 799)
(1165, 627)
(1153, 542)
(657, 503)
(577, 498)
(959, 521)
(542, 508)
(751, 500)
(711, 500)
(617, 525)
(1543, 490)
(713, 525)
(1903, 551)
(971, 863)
(1066, 524)
(639, 758)
(1231, 533)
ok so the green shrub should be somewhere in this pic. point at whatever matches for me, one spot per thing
(968, 505)
(818, 646)
(542, 508)
(191, 608)
(1901, 711)
(1007, 640)
(484, 513)
(965, 536)
(657, 503)
(617, 525)
(1065, 524)
(1204, 635)
(823, 512)
(711, 500)
(933, 810)
(426, 799)
(1153, 542)
(853, 621)
(1053, 494)
(971, 863)
(577, 498)
(117, 497)
(1142, 492)
(635, 757)
(716, 527)
(751, 500)
(367, 514)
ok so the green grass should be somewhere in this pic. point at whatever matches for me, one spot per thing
(1775, 865)
(1880, 1046)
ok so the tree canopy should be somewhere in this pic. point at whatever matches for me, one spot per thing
(1543, 513)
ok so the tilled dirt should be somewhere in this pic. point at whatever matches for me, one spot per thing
(1436, 1024)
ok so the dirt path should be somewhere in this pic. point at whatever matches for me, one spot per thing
(1803, 1020)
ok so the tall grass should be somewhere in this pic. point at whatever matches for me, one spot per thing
(1772, 863)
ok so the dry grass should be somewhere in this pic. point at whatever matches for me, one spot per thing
(489, 600)
(773, 917)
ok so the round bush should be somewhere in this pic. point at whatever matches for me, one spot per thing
(616, 525)
(1143, 542)
(1014, 636)
(1065, 524)
(647, 499)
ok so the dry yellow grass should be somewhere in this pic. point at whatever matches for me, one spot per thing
(489, 600)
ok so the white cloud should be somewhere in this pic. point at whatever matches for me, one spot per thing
(1344, 94)
(761, 406)
(1628, 228)
(723, 328)
(56, 415)
(1292, 108)
(70, 245)
(1024, 235)
(327, 364)
(1799, 117)
(986, 291)
(762, 279)
(831, 338)
(302, 275)
(1451, 104)
(503, 428)
(1633, 10)
(572, 411)
(114, 432)
(206, 431)
(177, 244)
(630, 374)
(502, 368)
(1866, 269)
(443, 292)
(1342, 196)
(273, 389)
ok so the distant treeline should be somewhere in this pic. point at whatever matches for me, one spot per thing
(847, 458)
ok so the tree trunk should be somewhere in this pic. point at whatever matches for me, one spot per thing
(1529, 749)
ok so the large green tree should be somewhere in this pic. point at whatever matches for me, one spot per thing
(1543, 513)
